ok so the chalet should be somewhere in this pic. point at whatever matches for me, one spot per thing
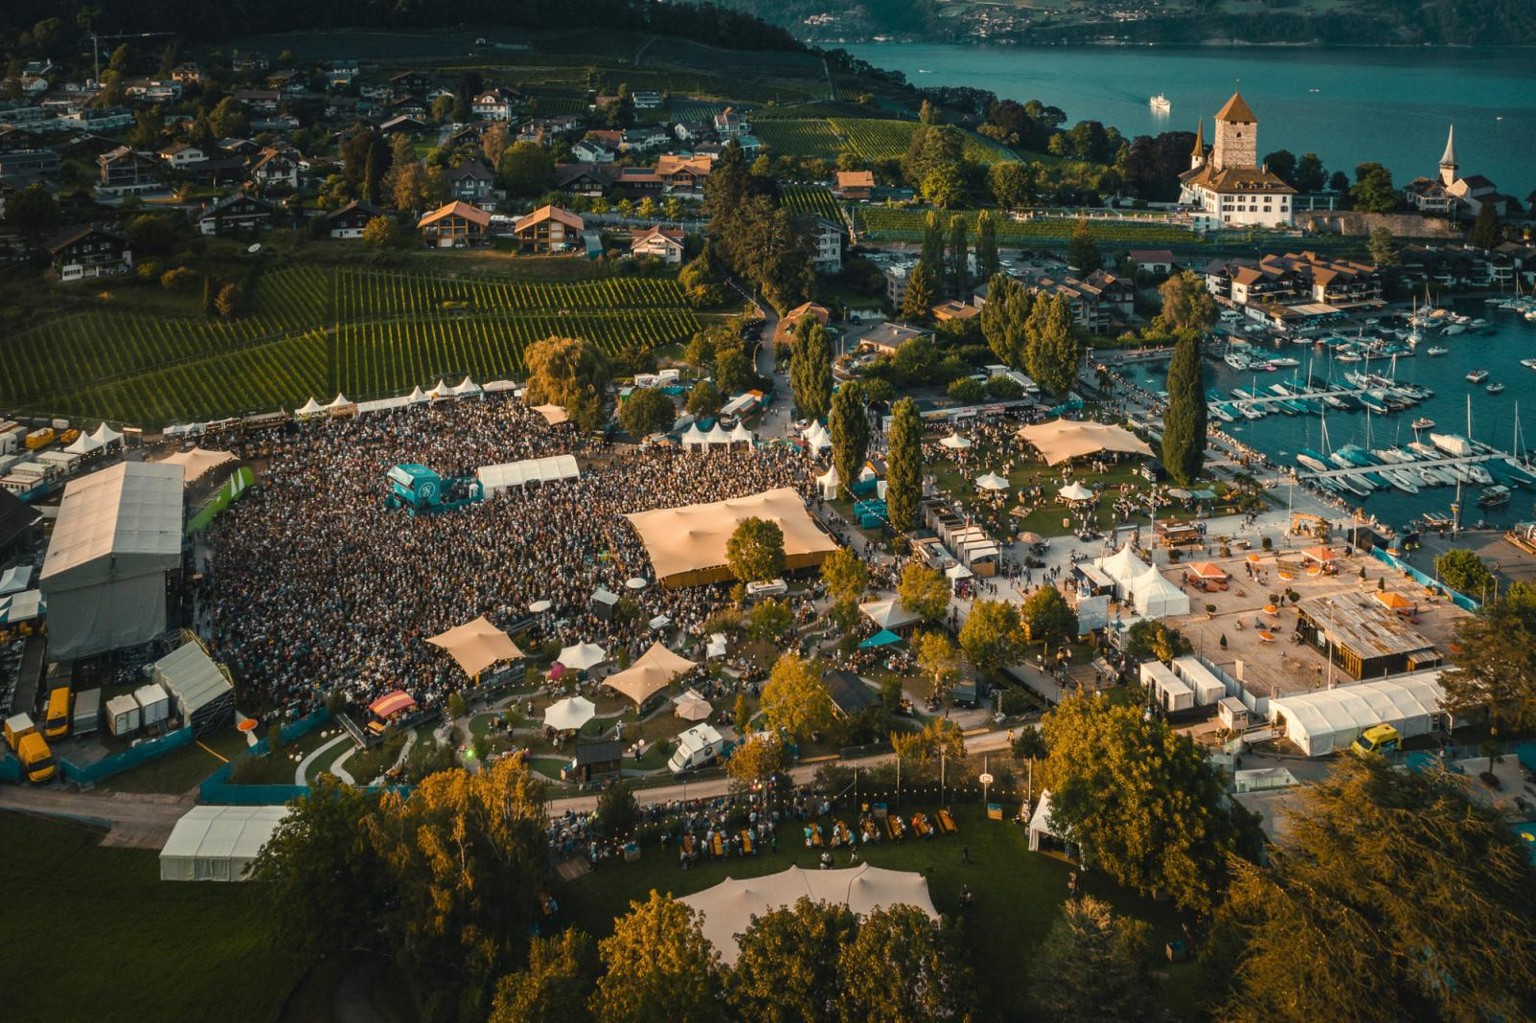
(123, 170)
(471, 182)
(729, 123)
(84, 253)
(244, 149)
(493, 105)
(472, 134)
(236, 212)
(341, 73)
(409, 83)
(614, 140)
(457, 225)
(548, 229)
(646, 100)
(663, 243)
(584, 179)
(260, 101)
(683, 174)
(404, 125)
(38, 163)
(634, 182)
(785, 329)
(888, 337)
(275, 167)
(182, 155)
(14, 139)
(1158, 262)
(592, 151)
(349, 221)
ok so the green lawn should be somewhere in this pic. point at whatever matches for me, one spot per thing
(96, 935)
(1017, 895)
(181, 769)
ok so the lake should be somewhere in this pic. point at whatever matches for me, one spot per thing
(1346, 105)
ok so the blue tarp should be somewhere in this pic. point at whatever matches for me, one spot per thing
(885, 637)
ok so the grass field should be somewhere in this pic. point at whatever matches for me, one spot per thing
(96, 935)
(316, 330)
(886, 223)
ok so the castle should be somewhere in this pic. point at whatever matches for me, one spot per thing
(1227, 183)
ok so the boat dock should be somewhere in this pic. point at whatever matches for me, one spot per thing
(1418, 463)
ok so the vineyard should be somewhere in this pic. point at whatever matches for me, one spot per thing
(803, 138)
(888, 224)
(815, 199)
(314, 331)
(877, 140)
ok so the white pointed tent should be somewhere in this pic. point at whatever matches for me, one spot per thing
(652, 672)
(991, 481)
(816, 437)
(439, 389)
(717, 436)
(888, 614)
(1040, 822)
(827, 483)
(309, 408)
(694, 437)
(1122, 566)
(340, 402)
(1075, 492)
(466, 388)
(416, 397)
(477, 645)
(1156, 597)
(955, 442)
(582, 656)
(105, 434)
(83, 445)
(742, 435)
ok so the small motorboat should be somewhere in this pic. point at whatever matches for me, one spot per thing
(1495, 388)
(1423, 423)
(1477, 376)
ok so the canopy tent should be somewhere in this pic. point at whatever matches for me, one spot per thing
(204, 695)
(687, 545)
(15, 579)
(827, 483)
(690, 706)
(693, 437)
(652, 672)
(716, 646)
(742, 435)
(496, 478)
(885, 637)
(554, 415)
(309, 408)
(1388, 599)
(105, 434)
(992, 481)
(1207, 570)
(416, 397)
(540, 606)
(117, 537)
(1062, 440)
(477, 645)
(390, 704)
(1156, 597)
(1075, 492)
(466, 388)
(955, 442)
(340, 403)
(1328, 720)
(728, 908)
(889, 614)
(569, 714)
(1040, 822)
(199, 462)
(582, 656)
(84, 445)
(717, 436)
(816, 436)
(957, 571)
(218, 843)
(1122, 566)
(22, 607)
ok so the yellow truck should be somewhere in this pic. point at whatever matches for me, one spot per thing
(38, 439)
(1377, 739)
(30, 748)
(56, 721)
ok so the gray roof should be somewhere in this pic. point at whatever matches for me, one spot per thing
(129, 512)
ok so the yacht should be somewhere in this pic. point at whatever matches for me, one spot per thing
(1477, 376)
(1493, 497)
(1437, 350)
(1312, 460)
(1423, 423)
(1285, 362)
(1495, 388)
(1160, 104)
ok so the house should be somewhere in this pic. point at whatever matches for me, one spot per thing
(276, 167)
(181, 155)
(84, 253)
(729, 123)
(692, 131)
(14, 139)
(288, 82)
(1304, 279)
(826, 243)
(785, 329)
(493, 105)
(633, 182)
(244, 149)
(850, 695)
(38, 163)
(258, 101)
(583, 179)
(472, 134)
(1097, 301)
(408, 83)
(548, 229)
(749, 145)
(1228, 185)
(642, 139)
(457, 225)
(888, 337)
(855, 186)
(152, 91)
(1157, 262)
(123, 170)
(236, 212)
(1454, 195)
(954, 311)
(341, 73)
(666, 244)
(349, 221)
(646, 99)
(684, 174)
(472, 182)
(404, 125)
(591, 150)
(897, 277)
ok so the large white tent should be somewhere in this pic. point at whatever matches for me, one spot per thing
(218, 843)
(1322, 722)
(1062, 440)
(205, 698)
(1156, 597)
(117, 536)
(477, 645)
(687, 545)
(888, 614)
(727, 909)
(496, 478)
(1122, 566)
(816, 437)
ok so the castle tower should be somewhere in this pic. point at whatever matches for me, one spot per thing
(1237, 136)
(1197, 155)
(1448, 164)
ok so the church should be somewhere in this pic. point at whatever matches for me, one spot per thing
(1451, 194)
(1227, 183)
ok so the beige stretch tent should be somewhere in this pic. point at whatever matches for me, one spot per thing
(1062, 440)
(199, 462)
(687, 545)
(652, 672)
(477, 645)
(727, 908)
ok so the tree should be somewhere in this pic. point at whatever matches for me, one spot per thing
(991, 636)
(846, 577)
(1187, 304)
(1373, 191)
(904, 466)
(922, 293)
(959, 257)
(1092, 966)
(1384, 250)
(1338, 182)
(647, 411)
(849, 426)
(1139, 799)
(967, 391)
(1010, 184)
(227, 304)
(571, 373)
(1005, 319)
(1282, 164)
(33, 212)
(658, 966)
(320, 874)
(1053, 348)
(758, 758)
(1496, 671)
(555, 985)
(795, 698)
(705, 399)
(1046, 617)
(494, 142)
(617, 810)
(939, 660)
(924, 591)
(987, 261)
(1310, 176)
(526, 169)
(1184, 424)
(786, 969)
(900, 968)
(1392, 893)
(734, 371)
(769, 621)
(810, 368)
(417, 187)
(755, 550)
(1486, 232)
(1463, 571)
(383, 233)
(1082, 250)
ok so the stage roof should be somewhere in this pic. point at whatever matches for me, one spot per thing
(687, 545)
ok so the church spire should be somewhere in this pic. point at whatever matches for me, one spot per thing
(1197, 154)
(1448, 165)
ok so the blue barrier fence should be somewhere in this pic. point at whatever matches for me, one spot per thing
(217, 788)
(10, 769)
(1461, 600)
(128, 759)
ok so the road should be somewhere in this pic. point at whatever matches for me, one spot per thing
(134, 820)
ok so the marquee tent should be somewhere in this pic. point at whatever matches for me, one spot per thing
(466, 389)
(888, 614)
(687, 545)
(416, 397)
(496, 478)
(117, 537)
(309, 408)
(652, 672)
(957, 572)
(477, 645)
(199, 462)
(1062, 440)
(569, 714)
(1122, 566)
(693, 437)
(22, 607)
(816, 437)
(727, 908)
(742, 435)
(340, 403)
(84, 445)
(554, 415)
(1330, 719)
(955, 442)
(218, 843)
(718, 436)
(105, 434)
(205, 698)
(827, 483)
(716, 647)
(1075, 492)
(991, 481)
(1156, 597)
(1040, 822)
(582, 656)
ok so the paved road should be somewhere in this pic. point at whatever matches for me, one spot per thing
(135, 820)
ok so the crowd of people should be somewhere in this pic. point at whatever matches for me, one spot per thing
(314, 584)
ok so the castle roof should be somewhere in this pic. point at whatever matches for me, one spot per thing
(1235, 180)
(1237, 111)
